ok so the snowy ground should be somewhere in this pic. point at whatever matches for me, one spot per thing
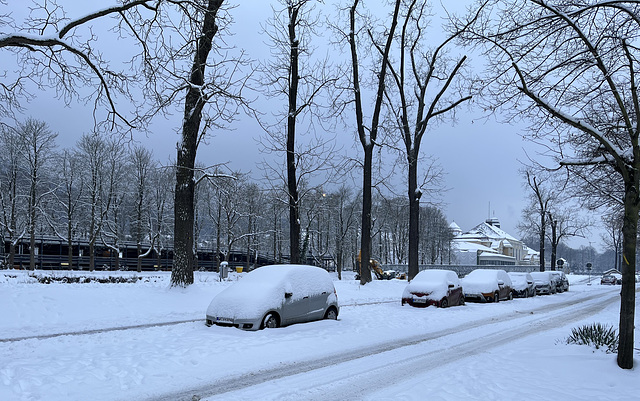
(377, 350)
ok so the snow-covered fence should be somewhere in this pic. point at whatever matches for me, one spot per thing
(463, 270)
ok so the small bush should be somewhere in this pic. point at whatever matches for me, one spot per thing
(597, 335)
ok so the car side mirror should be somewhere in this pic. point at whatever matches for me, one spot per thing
(451, 285)
(500, 282)
(288, 294)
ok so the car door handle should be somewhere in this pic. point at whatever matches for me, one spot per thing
(305, 297)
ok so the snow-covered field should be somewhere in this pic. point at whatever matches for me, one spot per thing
(377, 350)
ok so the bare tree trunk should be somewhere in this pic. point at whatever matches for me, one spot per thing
(543, 226)
(183, 256)
(368, 141)
(627, 294)
(554, 241)
(414, 215)
(292, 184)
(365, 239)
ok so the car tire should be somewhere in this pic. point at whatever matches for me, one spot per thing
(270, 321)
(331, 314)
(496, 297)
(510, 295)
(461, 301)
(444, 303)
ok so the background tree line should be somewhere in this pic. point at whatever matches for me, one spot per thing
(106, 192)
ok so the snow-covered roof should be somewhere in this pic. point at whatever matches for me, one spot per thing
(466, 246)
(485, 230)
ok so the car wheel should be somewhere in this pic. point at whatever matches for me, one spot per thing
(496, 297)
(461, 301)
(331, 314)
(270, 321)
(444, 303)
(510, 295)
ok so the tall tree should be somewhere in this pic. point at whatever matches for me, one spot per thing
(37, 143)
(424, 94)
(196, 99)
(11, 191)
(535, 215)
(573, 70)
(142, 165)
(302, 80)
(368, 135)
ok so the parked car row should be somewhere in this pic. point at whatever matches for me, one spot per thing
(280, 295)
(443, 288)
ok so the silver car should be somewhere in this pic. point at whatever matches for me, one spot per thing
(545, 283)
(274, 296)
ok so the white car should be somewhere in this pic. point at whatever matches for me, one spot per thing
(434, 287)
(523, 284)
(487, 285)
(545, 283)
(274, 296)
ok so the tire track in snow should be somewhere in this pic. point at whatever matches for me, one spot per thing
(145, 326)
(377, 376)
(97, 331)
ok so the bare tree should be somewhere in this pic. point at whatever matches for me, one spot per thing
(575, 64)
(613, 237)
(98, 182)
(11, 192)
(534, 217)
(424, 94)
(564, 223)
(36, 145)
(55, 51)
(368, 135)
(303, 81)
(64, 219)
(142, 165)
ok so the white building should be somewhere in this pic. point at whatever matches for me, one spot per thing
(488, 244)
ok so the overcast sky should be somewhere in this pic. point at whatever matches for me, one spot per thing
(481, 158)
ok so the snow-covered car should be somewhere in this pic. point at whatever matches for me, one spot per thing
(487, 285)
(523, 285)
(274, 296)
(545, 283)
(609, 279)
(389, 274)
(434, 287)
(562, 283)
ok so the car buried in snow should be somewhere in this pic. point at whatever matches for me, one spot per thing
(487, 285)
(434, 287)
(274, 296)
(523, 285)
(545, 283)
(562, 283)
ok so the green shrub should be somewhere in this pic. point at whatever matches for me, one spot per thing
(597, 335)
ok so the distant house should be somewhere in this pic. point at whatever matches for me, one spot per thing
(488, 244)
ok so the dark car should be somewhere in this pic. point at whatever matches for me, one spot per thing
(274, 296)
(487, 285)
(434, 287)
(562, 283)
(609, 279)
(523, 285)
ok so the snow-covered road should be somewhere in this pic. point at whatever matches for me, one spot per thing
(377, 349)
(386, 364)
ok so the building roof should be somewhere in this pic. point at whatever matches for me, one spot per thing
(488, 231)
